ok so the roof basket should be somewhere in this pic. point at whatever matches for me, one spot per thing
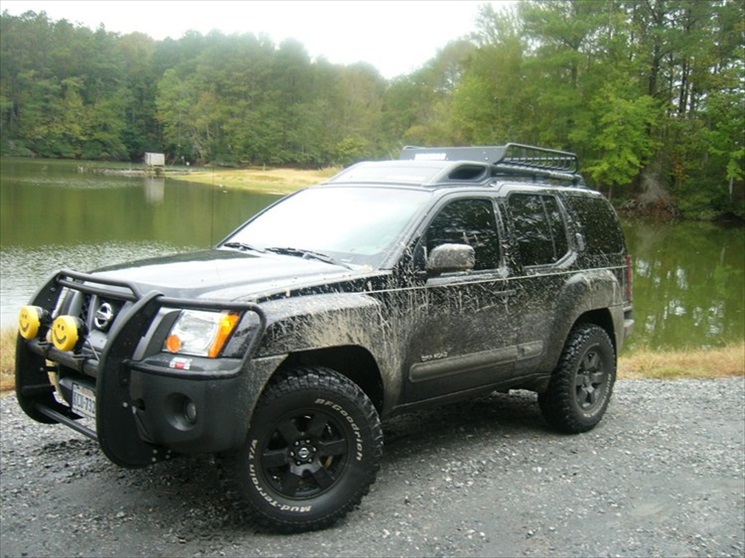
(512, 158)
(539, 157)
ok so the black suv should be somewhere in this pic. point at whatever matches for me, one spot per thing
(447, 274)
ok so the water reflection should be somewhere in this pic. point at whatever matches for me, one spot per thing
(55, 204)
(155, 190)
(689, 284)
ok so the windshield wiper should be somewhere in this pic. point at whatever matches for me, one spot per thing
(306, 254)
(243, 246)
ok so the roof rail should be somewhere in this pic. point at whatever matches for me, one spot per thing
(512, 158)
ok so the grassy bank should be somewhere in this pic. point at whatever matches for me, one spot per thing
(688, 363)
(268, 181)
(7, 358)
(642, 363)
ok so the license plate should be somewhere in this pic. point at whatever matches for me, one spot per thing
(83, 401)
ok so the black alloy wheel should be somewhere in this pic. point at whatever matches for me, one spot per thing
(582, 383)
(312, 451)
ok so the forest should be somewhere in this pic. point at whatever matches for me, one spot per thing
(648, 93)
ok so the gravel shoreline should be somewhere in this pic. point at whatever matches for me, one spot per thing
(662, 475)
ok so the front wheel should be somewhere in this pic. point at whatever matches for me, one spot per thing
(582, 383)
(311, 454)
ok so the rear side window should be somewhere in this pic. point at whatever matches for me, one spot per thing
(539, 228)
(602, 231)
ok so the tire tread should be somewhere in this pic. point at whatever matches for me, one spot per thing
(557, 403)
(230, 465)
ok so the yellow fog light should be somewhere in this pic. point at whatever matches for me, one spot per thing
(66, 331)
(30, 321)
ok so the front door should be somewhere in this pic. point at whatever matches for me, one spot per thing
(462, 336)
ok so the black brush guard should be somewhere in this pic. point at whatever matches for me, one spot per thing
(116, 431)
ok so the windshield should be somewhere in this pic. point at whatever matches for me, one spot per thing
(357, 226)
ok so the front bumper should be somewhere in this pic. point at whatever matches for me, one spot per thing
(190, 415)
(145, 408)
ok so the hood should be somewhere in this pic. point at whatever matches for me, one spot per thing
(207, 273)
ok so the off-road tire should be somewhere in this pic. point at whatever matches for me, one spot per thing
(312, 451)
(582, 383)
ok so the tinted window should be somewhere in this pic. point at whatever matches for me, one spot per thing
(602, 231)
(539, 228)
(469, 222)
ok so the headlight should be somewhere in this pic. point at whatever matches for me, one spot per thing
(200, 333)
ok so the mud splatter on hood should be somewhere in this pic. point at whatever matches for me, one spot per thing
(215, 273)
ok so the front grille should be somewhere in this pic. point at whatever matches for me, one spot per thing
(97, 313)
(85, 308)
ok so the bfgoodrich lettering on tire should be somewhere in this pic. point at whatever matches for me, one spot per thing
(312, 452)
(582, 384)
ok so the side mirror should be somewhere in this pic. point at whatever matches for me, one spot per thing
(449, 258)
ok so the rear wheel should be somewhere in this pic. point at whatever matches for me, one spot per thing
(312, 452)
(581, 386)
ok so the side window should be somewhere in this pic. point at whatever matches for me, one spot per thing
(603, 233)
(539, 228)
(469, 222)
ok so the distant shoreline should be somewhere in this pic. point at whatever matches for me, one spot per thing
(268, 181)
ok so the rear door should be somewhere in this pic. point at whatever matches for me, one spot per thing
(544, 258)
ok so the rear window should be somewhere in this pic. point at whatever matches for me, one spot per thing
(602, 231)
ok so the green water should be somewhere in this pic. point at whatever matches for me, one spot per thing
(689, 278)
(689, 285)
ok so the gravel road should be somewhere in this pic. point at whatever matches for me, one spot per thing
(662, 475)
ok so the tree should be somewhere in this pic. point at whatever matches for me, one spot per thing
(176, 97)
(491, 102)
(621, 141)
(649, 93)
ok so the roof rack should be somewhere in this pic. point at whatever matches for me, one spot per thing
(509, 159)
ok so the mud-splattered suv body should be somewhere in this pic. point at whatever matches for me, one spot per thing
(447, 274)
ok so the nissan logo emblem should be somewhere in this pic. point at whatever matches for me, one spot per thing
(104, 315)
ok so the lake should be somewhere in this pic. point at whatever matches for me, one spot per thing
(689, 278)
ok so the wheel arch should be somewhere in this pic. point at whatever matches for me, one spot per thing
(600, 317)
(352, 361)
(588, 297)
